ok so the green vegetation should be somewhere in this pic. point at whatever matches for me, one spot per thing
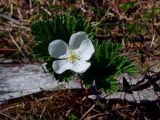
(117, 27)
(59, 27)
(107, 63)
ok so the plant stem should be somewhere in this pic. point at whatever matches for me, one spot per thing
(78, 78)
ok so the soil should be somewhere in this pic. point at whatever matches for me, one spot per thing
(73, 105)
(142, 48)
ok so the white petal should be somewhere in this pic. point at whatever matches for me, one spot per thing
(86, 50)
(58, 49)
(60, 66)
(76, 39)
(80, 66)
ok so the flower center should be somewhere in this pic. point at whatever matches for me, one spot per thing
(72, 57)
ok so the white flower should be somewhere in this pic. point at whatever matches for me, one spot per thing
(73, 57)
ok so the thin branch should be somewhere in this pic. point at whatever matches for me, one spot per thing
(7, 116)
(87, 112)
(10, 19)
(94, 116)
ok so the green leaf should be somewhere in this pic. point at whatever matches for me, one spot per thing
(106, 64)
(157, 11)
(135, 28)
(60, 26)
(126, 6)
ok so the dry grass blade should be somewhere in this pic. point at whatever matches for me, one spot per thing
(11, 107)
(7, 49)
(48, 12)
(117, 20)
(15, 43)
(87, 112)
(43, 112)
(94, 116)
(7, 116)
(10, 19)
(153, 40)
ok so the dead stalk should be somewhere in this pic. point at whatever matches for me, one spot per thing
(48, 12)
(153, 39)
(10, 107)
(87, 112)
(7, 116)
(9, 18)
(54, 2)
(43, 112)
(15, 43)
(82, 2)
(30, 5)
(20, 14)
(11, 9)
(94, 116)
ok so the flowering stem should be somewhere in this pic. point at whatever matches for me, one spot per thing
(78, 78)
(84, 90)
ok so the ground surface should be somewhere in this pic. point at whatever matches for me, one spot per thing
(18, 80)
(72, 105)
(135, 26)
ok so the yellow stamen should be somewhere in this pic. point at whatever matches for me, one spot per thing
(73, 57)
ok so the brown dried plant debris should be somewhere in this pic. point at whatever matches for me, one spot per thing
(16, 42)
(64, 104)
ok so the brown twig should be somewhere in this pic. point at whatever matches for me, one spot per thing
(48, 12)
(44, 109)
(94, 116)
(10, 107)
(15, 43)
(87, 112)
(7, 116)
(10, 19)
(7, 49)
